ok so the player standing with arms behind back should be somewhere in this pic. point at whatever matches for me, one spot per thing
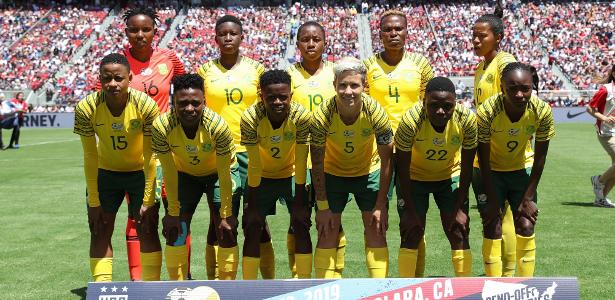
(120, 163)
(312, 83)
(487, 33)
(396, 79)
(152, 70)
(509, 170)
(231, 86)
(351, 149)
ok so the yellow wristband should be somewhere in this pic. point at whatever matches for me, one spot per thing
(322, 204)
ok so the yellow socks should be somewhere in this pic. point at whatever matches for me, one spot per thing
(250, 267)
(492, 257)
(509, 241)
(290, 245)
(420, 260)
(150, 265)
(228, 259)
(377, 262)
(101, 268)
(304, 265)
(177, 261)
(526, 255)
(407, 262)
(211, 263)
(341, 254)
(324, 262)
(267, 265)
(462, 262)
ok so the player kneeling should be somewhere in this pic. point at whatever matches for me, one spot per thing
(196, 151)
(509, 168)
(436, 143)
(119, 163)
(275, 132)
(351, 148)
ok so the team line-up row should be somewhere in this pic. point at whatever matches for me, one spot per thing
(315, 136)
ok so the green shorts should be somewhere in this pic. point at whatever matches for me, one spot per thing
(364, 188)
(271, 190)
(191, 189)
(242, 167)
(509, 186)
(113, 186)
(444, 193)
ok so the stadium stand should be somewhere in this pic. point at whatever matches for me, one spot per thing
(264, 35)
(341, 26)
(40, 53)
(570, 43)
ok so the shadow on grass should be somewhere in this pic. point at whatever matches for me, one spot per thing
(80, 292)
(584, 204)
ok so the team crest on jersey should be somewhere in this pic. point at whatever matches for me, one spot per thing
(146, 72)
(135, 124)
(117, 126)
(276, 139)
(455, 140)
(163, 69)
(191, 149)
(529, 130)
(513, 131)
(366, 132)
(348, 133)
(438, 141)
(289, 136)
(490, 78)
(207, 147)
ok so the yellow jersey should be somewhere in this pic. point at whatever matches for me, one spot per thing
(350, 150)
(511, 142)
(197, 156)
(276, 146)
(311, 90)
(436, 155)
(487, 80)
(120, 139)
(398, 87)
(230, 92)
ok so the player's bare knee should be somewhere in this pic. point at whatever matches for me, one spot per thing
(493, 230)
(524, 227)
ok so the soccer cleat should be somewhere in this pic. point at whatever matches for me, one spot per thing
(604, 202)
(598, 187)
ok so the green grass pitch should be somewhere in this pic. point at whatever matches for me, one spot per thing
(44, 249)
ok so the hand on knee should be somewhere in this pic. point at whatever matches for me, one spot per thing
(524, 227)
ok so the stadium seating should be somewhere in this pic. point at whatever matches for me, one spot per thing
(341, 26)
(575, 36)
(47, 46)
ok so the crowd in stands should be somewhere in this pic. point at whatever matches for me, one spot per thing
(574, 37)
(16, 21)
(264, 40)
(340, 24)
(47, 47)
(578, 36)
